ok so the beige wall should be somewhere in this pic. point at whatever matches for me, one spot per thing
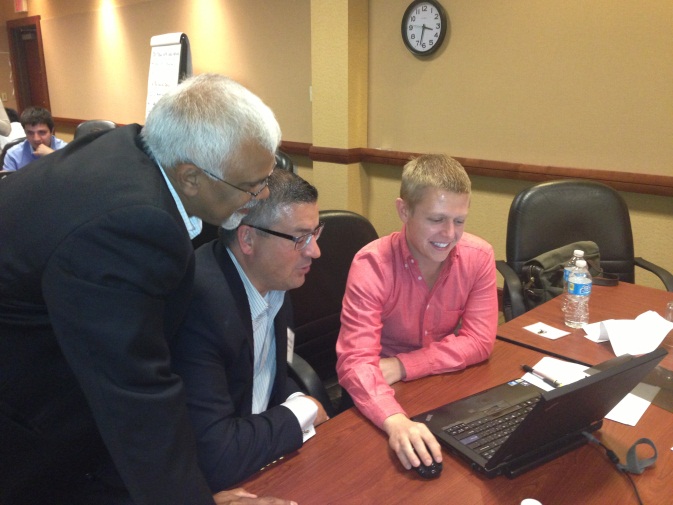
(97, 52)
(573, 83)
(577, 84)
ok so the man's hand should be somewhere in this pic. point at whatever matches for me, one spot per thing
(240, 496)
(392, 369)
(43, 150)
(322, 416)
(412, 442)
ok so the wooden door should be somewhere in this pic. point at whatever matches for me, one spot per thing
(27, 59)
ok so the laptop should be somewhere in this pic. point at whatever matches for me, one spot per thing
(515, 427)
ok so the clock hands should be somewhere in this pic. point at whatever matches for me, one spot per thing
(423, 28)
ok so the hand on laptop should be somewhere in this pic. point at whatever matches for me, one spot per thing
(412, 442)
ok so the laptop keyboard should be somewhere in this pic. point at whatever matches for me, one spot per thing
(486, 434)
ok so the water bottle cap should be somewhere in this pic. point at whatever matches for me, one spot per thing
(581, 263)
(579, 253)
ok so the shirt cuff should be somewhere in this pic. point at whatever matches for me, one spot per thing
(305, 411)
(416, 364)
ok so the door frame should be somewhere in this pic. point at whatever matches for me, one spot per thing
(17, 60)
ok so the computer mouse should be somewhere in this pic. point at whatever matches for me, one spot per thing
(429, 471)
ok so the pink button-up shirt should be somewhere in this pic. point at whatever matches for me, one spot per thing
(388, 310)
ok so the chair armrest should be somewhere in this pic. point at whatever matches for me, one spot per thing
(514, 289)
(660, 272)
(309, 382)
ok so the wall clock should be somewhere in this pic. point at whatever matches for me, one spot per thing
(424, 26)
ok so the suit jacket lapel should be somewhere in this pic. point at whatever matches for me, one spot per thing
(238, 293)
(278, 394)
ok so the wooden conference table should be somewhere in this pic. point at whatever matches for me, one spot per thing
(624, 301)
(349, 462)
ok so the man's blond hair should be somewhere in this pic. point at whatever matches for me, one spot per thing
(433, 171)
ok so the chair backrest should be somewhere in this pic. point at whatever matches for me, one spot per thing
(93, 125)
(317, 303)
(284, 161)
(7, 147)
(552, 214)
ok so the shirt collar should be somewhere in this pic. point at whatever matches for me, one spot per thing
(194, 224)
(272, 301)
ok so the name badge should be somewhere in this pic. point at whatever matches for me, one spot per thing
(290, 344)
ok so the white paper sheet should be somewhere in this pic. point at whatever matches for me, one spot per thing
(546, 331)
(628, 411)
(633, 406)
(631, 336)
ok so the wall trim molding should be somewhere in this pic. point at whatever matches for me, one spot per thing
(660, 185)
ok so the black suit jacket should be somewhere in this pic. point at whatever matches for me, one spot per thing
(96, 269)
(214, 355)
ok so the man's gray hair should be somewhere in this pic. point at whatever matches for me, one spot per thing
(285, 190)
(205, 120)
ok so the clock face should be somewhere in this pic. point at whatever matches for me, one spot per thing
(424, 26)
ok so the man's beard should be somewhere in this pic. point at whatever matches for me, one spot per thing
(232, 222)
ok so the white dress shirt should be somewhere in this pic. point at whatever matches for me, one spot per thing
(263, 310)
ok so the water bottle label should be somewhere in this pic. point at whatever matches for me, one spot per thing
(581, 289)
(566, 273)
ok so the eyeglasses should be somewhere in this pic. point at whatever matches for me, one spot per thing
(264, 183)
(299, 242)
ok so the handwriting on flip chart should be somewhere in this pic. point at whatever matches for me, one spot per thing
(168, 61)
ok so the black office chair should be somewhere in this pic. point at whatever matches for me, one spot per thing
(552, 214)
(93, 125)
(284, 161)
(7, 147)
(210, 231)
(317, 303)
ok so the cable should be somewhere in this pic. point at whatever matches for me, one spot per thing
(633, 484)
(633, 464)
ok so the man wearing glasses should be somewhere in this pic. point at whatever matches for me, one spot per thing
(246, 412)
(96, 272)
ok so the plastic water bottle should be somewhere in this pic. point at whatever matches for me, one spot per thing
(577, 254)
(579, 292)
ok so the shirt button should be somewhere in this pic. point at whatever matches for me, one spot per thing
(412, 261)
(406, 266)
(420, 278)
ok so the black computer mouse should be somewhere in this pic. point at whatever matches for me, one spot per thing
(429, 471)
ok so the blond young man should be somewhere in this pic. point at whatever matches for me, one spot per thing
(418, 302)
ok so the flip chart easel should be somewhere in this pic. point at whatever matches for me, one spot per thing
(170, 63)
